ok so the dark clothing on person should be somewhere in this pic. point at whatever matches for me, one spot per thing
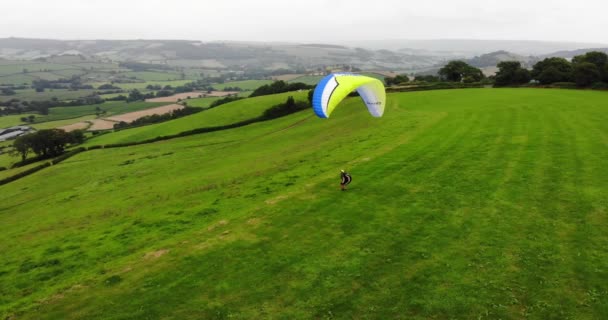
(345, 180)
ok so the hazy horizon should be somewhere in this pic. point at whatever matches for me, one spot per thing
(314, 21)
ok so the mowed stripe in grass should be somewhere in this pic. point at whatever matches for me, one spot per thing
(465, 204)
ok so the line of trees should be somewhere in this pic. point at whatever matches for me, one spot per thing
(460, 71)
(589, 70)
(396, 80)
(279, 87)
(584, 71)
(290, 106)
(46, 143)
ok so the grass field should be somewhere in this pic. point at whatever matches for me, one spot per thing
(153, 76)
(61, 123)
(225, 114)
(465, 204)
(111, 108)
(247, 85)
(201, 102)
(143, 85)
(61, 94)
(7, 161)
(12, 120)
(312, 80)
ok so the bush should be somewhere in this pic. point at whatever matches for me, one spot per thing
(222, 101)
(24, 173)
(599, 86)
(27, 161)
(2, 168)
(290, 106)
(563, 85)
(279, 87)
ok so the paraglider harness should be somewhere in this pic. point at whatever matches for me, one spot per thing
(346, 179)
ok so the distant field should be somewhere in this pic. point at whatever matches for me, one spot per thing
(24, 72)
(177, 97)
(245, 84)
(225, 114)
(6, 69)
(111, 108)
(61, 123)
(287, 77)
(51, 76)
(312, 80)
(13, 120)
(143, 85)
(18, 79)
(153, 76)
(101, 124)
(61, 94)
(132, 116)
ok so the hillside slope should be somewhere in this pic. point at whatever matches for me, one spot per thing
(222, 115)
(480, 203)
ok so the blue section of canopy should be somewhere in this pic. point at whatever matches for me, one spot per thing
(317, 97)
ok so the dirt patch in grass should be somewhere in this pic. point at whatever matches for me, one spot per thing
(76, 126)
(132, 116)
(156, 254)
(219, 224)
(101, 124)
(276, 199)
(254, 221)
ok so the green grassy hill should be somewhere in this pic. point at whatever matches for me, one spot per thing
(222, 115)
(479, 203)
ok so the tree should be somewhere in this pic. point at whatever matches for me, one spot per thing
(585, 74)
(135, 95)
(310, 96)
(44, 143)
(398, 79)
(22, 146)
(553, 75)
(551, 70)
(511, 73)
(76, 137)
(426, 78)
(7, 92)
(457, 71)
(597, 58)
(31, 118)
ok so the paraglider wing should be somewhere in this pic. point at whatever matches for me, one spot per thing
(332, 89)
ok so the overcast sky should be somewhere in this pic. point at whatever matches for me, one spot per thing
(307, 21)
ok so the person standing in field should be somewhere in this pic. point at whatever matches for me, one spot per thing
(345, 179)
